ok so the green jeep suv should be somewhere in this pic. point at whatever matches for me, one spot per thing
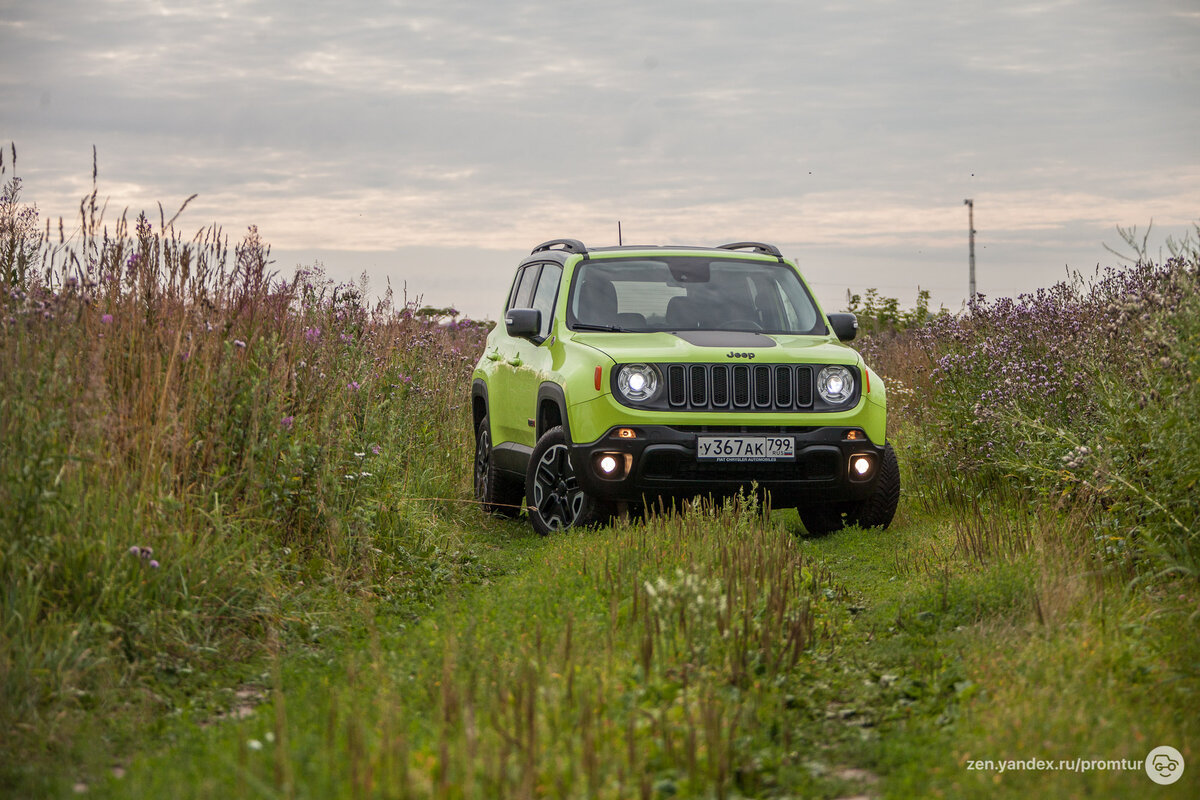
(623, 375)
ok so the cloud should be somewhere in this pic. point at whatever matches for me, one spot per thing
(375, 127)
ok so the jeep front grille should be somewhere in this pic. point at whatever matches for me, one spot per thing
(762, 387)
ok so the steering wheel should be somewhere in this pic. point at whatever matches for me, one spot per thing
(739, 323)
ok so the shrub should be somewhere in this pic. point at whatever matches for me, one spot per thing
(252, 433)
(1084, 391)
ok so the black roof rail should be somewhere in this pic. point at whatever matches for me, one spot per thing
(758, 247)
(568, 245)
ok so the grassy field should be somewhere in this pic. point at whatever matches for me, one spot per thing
(240, 559)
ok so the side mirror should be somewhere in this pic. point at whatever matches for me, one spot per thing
(845, 326)
(523, 322)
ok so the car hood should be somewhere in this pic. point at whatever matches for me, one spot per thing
(717, 346)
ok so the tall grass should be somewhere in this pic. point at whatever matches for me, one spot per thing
(189, 442)
(1083, 394)
(648, 660)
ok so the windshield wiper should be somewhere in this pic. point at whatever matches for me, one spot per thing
(585, 326)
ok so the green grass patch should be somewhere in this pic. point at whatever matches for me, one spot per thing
(656, 658)
(606, 664)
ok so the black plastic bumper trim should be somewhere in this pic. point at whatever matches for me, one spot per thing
(664, 464)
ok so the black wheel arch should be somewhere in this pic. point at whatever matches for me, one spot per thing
(552, 410)
(479, 403)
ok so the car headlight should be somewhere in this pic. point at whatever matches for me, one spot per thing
(637, 382)
(835, 385)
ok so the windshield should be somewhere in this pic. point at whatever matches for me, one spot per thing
(690, 293)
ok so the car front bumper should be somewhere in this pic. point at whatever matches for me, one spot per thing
(661, 461)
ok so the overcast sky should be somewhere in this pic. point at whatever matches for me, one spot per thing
(435, 143)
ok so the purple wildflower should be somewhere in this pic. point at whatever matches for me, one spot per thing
(239, 343)
(144, 554)
(353, 386)
(106, 319)
(287, 421)
(312, 334)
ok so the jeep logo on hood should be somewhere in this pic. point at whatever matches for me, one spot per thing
(732, 354)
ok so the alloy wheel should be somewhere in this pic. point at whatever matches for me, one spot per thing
(556, 493)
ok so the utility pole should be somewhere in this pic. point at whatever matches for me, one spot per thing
(970, 204)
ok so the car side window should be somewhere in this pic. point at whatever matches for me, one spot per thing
(523, 288)
(545, 295)
(512, 293)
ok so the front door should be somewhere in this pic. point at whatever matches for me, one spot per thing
(534, 354)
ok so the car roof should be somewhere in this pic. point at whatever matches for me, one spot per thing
(560, 250)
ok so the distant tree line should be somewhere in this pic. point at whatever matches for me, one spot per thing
(877, 314)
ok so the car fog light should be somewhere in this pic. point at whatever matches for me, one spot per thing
(611, 466)
(860, 466)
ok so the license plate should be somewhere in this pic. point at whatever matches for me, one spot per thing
(745, 448)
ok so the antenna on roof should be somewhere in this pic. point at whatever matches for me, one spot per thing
(620, 241)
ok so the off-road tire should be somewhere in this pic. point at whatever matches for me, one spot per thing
(552, 493)
(878, 510)
(822, 520)
(496, 492)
